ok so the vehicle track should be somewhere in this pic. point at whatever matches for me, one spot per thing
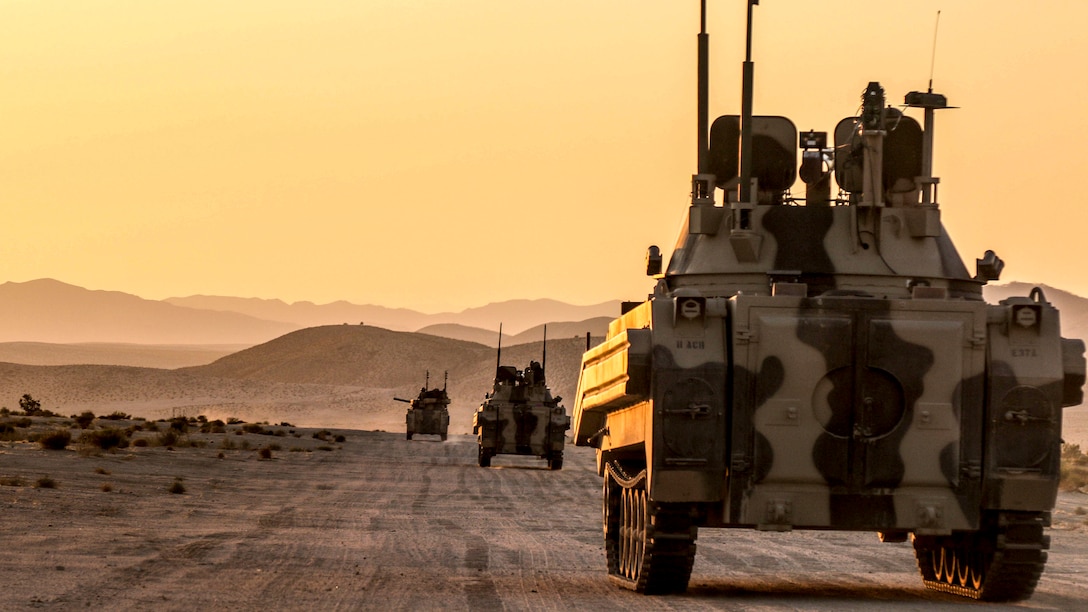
(385, 523)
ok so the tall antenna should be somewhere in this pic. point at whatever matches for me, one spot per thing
(933, 55)
(748, 75)
(544, 357)
(703, 91)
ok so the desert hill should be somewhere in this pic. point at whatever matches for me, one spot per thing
(516, 316)
(164, 356)
(50, 311)
(330, 376)
(597, 326)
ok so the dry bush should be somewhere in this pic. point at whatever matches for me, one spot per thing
(167, 437)
(176, 487)
(265, 453)
(105, 439)
(58, 439)
(84, 419)
(215, 426)
(45, 482)
(12, 481)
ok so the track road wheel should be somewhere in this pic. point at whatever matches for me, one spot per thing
(1000, 562)
(649, 547)
(484, 457)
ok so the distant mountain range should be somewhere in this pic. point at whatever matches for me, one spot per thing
(49, 311)
(342, 375)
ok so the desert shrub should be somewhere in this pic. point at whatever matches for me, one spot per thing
(141, 442)
(200, 418)
(4, 411)
(106, 439)
(234, 421)
(339, 439)
(285, 424)
(227, 444)
(101, 470)
(58, 439)
(245, 445)
(265, 453)
(106, 487)
(117, 415)
(22, 422)
(150, 425)
(167, 437)
(84, 419)
(45, 482)
(179, 424)
(215, 426)
(324, 447)
(176, 487)
(12, 481)
(322, 435)
(253, 428)
(279, 433)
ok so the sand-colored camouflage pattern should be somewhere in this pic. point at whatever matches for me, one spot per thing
(521, 417)
(428, 413)
(831, 364)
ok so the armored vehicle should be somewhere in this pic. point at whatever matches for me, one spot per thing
(520, 416)
(428, 414)
(828, 363)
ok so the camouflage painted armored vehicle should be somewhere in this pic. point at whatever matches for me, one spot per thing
(828, 363)
(428, 414)
(520, 416)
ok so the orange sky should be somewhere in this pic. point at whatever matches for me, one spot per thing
(444, 154)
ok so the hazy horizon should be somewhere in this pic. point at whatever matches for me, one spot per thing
(439, 156)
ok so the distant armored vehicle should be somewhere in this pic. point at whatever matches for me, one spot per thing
(428, 414)
(520, 416)
(828, 363)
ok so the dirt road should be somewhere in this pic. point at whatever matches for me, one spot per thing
(381, 522)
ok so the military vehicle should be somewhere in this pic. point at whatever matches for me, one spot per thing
(827, 363)
(428, 413)
(519, 416)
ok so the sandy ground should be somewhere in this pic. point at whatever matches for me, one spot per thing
(379, 522)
